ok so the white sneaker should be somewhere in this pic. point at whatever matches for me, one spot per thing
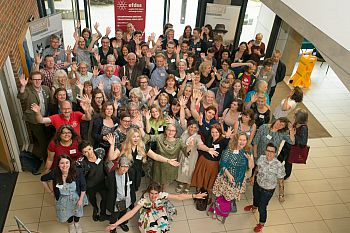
(71, 228)
(78, 228)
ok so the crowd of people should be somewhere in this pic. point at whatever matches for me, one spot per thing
(191, 111)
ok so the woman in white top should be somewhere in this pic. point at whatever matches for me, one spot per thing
(289, 103)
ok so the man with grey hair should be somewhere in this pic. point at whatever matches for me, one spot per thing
(222, 95)
(105, 79)
(280, 71)
(132, 69)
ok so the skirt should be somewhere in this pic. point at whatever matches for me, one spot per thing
(205, 173)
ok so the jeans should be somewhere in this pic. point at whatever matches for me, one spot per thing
(261, 198)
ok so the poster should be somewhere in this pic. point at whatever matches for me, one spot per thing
(41, 30)
(223, 14)
(130, 11)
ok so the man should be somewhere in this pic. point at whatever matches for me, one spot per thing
(223, 96)
(54, 50)
(279, 68)
(106, 50)
(135, 42)
(121, 192)
(185, 45)
(171, 57)
(158, 72)
(247, 77)
(132, 69)
(38, 94)
(197, 45)
(106, 79)
(268, 173)
(258, 48)
(51, 67)
(67, 117)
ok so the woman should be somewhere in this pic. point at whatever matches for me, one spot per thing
(261, 87)
(163, 102)
(153, 212)
(123, 127)
(261, 111)
(224, 71)
(59, 96)
(65, 143)
(177, 114)
(288, 104)
(110, 60)
(60, 80)
(274, 133)
(207, 100)
(238, 90)
(235, 166)
(207, 166)
(207, 77)
(118, 98)
(246, 125)
(94, 170)
(191, 62)
(69, 189)
(155, 122)
(136, 96)
(188, 161)
(301, 136)
(187, 35)
(207, 35)
(135, 115)
(87, 89)
(168, 146)
(104, 125)
(143, 82)
(265, 72)
(230, 115)
(240, 54)
(170, 87)
(181, 72)
(195, 84)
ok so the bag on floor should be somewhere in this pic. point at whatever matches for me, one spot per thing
(220, 208)
(30, 162)
(201, 204)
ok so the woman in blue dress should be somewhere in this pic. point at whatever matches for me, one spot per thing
(69, 187)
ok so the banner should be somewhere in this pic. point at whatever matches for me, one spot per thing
(130, 11)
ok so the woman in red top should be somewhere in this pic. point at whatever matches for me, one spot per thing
(65, 142)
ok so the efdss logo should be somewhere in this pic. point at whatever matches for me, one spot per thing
(127, 11)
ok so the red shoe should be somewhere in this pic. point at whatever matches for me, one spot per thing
(249, 208)
(258, 227)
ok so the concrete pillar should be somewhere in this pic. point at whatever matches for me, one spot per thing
(289, 43)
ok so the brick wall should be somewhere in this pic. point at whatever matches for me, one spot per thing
(14, 15)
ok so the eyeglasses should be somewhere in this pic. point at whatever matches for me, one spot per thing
(36, 79)
(226, 87)
(270, 151)
(171, 130)
(143, 82)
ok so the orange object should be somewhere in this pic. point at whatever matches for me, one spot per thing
(302, 77)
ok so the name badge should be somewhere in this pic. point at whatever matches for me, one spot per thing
(247, 133)
(173, 94)
(261, 116)
(129, 182)
(265, 77)
(162, 74)
(98, 161)
(172, 60)
(236, 152)
(160, 129)
(206, 128)
(199, 49)
(74, 151)
(216, 146)
(138, 157)
(60, 186)
(269, 136)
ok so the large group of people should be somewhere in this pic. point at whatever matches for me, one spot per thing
(193, 112)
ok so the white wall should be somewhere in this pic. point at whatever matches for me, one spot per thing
(331, 17)
(265, 23)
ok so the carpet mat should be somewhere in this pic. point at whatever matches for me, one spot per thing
(7, 186)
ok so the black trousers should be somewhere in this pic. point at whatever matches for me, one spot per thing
(283, 156)
(272, 92)
(115, 216)
(91, 194)
(39, 131)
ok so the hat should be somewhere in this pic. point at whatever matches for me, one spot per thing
(220, 28)
(124, 161)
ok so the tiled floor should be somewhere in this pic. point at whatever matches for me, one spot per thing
(317, 194)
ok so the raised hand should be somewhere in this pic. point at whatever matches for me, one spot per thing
(108, 31)
(115, 104)
(114, 44)
(124, 80)
(68, 50)
(170, 120)
(182, 101)
(147, 114)
(254, 98)
(100, 85)
(156, 91)
(23, 80)
(249, 157)
(74, 67)
(95, 71)
(95, 37)
(110, 138)
(96, 25)
(185, 56)
(202, 56)
(78, 24)
(149, 54)
(75, 36)
(153, 36)
(97, 57)
(213, 152)
(200, 118)
(177, 49)
(35, 108)
(38, 59)
(229, 132)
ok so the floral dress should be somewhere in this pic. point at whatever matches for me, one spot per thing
(153, 215)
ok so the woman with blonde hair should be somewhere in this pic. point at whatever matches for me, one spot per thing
(207, 75)
(60, 79)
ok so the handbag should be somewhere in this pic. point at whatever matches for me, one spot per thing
(298, 154)
(201, 204)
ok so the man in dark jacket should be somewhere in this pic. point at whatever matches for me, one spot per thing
(121, 192)
(280, 71)
(223, 96)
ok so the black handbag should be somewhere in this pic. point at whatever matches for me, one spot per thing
(121, 205)
(201, 204)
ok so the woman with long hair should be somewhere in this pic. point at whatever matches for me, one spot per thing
(65, 143)
(230, 115)
(245, 124)
(238, 90)
(187, 34)
(69, 187)
(170, 87)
